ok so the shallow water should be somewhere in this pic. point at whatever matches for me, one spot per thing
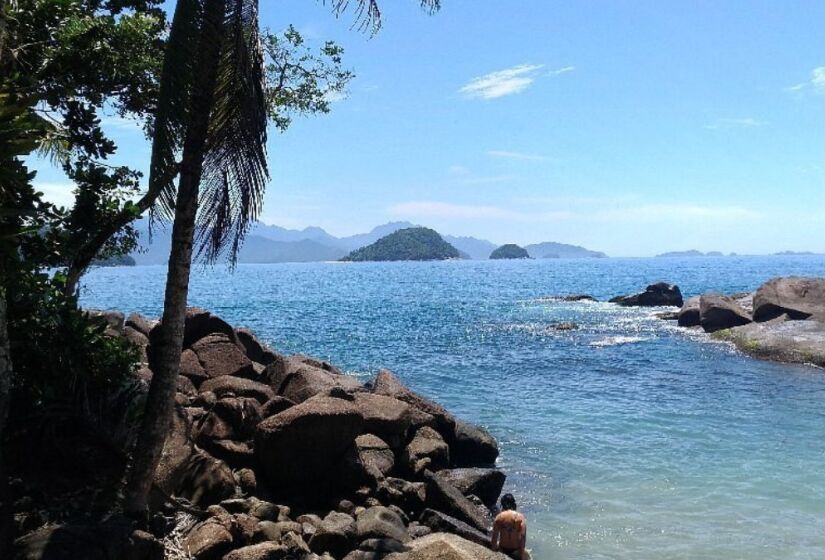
(625, 438)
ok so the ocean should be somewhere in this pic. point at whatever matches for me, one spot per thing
(626, 437)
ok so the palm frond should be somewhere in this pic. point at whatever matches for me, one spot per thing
(368, 13)
(235, 168)
(173, 110)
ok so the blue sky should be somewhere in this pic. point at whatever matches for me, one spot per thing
(628, 127)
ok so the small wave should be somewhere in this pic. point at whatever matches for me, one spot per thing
(617, 340)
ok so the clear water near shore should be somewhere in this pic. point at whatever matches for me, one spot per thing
(625, 438)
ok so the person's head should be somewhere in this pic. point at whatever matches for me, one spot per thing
(508, 502)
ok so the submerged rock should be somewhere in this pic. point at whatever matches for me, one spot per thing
(654, 295)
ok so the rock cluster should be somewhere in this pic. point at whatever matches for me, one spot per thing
(781, 321)
(654, 295)
(292, 458)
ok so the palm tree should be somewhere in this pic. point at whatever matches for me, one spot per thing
(211, 109)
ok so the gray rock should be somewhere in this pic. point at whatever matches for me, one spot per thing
(220, 355)
(386, 383)
(254, 348)
(721, 312)
(380, 522)
(209, 540)
(801, 342)
(375, 452)
(797, 297)
(260, 551)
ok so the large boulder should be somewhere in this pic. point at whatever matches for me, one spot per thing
(208, 540)
(427, 450)
(190, 367)
(301, 381)
(473, 446)
(221, 355)
(484, 483)
(719, 312)
(298, 449)
(386, 417)
(201, 323)
(260, 551)
(654, 295)
(386, 383)
(113, 320)
(335, 535)
(801, 342)
(206, 480)
(255, 349)
(443, 496)
(140, 323)
(446, 546)
(227, 385)
(375, 453)
(689, 315)
(379, 522)
(797, 297)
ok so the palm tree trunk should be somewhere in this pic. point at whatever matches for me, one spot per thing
(5, 388)
(160, 402)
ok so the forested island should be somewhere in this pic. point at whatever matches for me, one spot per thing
(510, 251)
(411, 244)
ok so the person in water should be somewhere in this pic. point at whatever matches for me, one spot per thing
(510, 530)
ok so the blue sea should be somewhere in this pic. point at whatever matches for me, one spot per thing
(625, 438)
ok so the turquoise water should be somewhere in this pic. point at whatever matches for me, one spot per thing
(627, 438)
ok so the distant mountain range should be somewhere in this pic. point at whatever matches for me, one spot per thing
(551, 250)
(691, 253)
(272, 244)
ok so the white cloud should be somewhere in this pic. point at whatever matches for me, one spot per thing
(515, 155)
(458, 170)
(432, 209)
(335, 96)
(489, 180)
(122, 123)
(747, 122)
(59, 194)
(680, 212)
(816, 82)
(503, 82)
(559, 71)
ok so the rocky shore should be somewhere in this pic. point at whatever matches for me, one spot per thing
(783, 320)
(277, 456)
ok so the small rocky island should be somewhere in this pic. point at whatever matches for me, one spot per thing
(411, 244)
(510, 251)
(287, 457)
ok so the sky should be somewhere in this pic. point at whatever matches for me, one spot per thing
(629, 127)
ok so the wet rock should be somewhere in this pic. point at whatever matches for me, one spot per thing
(481, 482)
(220, 355)
(720, 312)
(654, 295)
(473, 446)
(797, 297)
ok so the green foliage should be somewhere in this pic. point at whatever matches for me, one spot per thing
(510, 251)
(411, 244)
(300, 82)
